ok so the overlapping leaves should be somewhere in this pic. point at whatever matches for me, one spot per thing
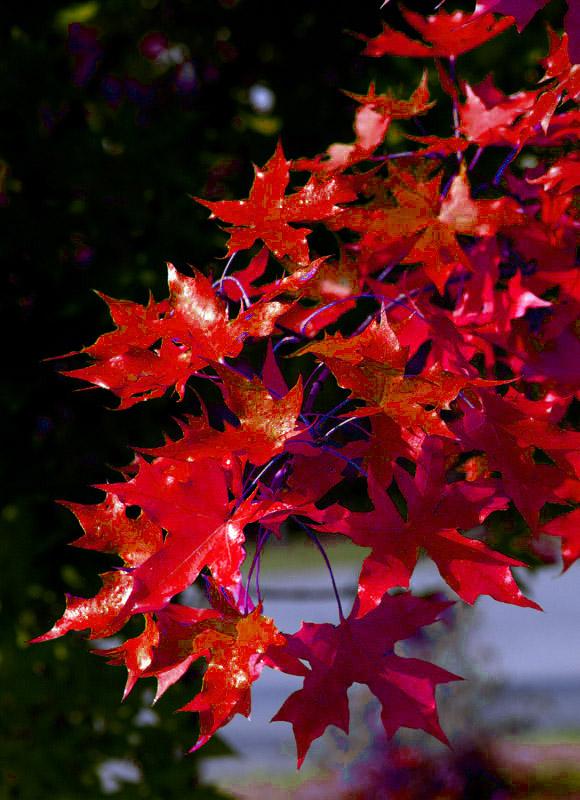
(454, 396)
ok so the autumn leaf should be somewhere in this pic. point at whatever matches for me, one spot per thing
(421, 226)
(437, 512)
(360, 650)
(372, 366)
(107, 529)
(371, 123)
(232, 643)
(486, 424)
(265, 424)
(189, 500)
(267, 213)
(447, 35)
(192, 327)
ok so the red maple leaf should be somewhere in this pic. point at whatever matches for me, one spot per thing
(421, 226)
(371, 123)
(267, 213)
(437, 511)
(486, 425)
(266, 424)
(447, 35)
(193, 328)
(233, 644)
(189, 500)
(372, 365)
(360, 650)
(108, 530)
(522, 13)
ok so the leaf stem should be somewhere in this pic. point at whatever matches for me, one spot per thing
(270, 463)
(286, 340)
(316, 385)
(227, 266)
(314, 538)
(475, 159)
(510, 157)
(328, 306)
(246, 302)
(262, 537)
(336, 416)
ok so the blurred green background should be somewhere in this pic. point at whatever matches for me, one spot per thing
(113, 113)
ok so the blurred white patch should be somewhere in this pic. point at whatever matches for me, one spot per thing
(146, 718)
(115, 771)
(261, 98)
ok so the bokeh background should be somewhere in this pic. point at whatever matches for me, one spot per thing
(114, 112)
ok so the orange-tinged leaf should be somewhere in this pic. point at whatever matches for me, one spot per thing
(233, 643)
(267, 212)
(266, 424)
(108, 529)
(372, 365)
(104, 614)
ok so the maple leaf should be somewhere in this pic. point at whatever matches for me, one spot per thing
(108, 530)
(265, 423)
(266, 213)
(438, 248)
(436, 513)
(371, 123)
(564, 77)
(422, 226)
(193, 327)
(360, 650)
(522, 13)
(448, 35)
(486, 425)
(390, 224)
(372, 365)
(233, 644)
(104, 614)
(389, 106)
(189, 500)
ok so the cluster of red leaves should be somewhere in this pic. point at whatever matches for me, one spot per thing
(457, 391)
